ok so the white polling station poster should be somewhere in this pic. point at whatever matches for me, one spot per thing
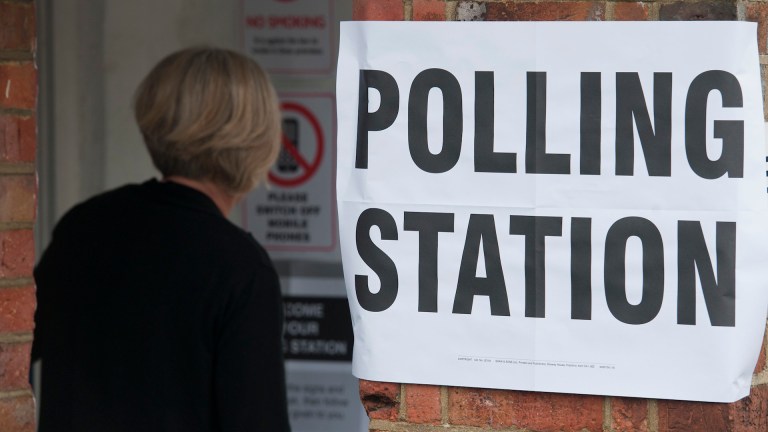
(552, 206)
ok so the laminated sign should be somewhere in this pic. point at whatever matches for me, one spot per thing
(558, 207)
(295, 215)
(289, 36)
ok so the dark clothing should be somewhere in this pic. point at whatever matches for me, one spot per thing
(155, 313)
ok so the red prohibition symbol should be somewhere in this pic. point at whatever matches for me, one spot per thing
(308, 168)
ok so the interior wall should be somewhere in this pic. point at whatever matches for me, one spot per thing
(92, 56)
(137, 34)
(100, 50)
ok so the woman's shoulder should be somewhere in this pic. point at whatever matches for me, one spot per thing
(96, 209)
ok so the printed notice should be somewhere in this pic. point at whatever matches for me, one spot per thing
(544, 217)
(323, 395)
(317, 328)
(289, 36)
(295, 215)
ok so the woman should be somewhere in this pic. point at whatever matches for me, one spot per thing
(155, 313)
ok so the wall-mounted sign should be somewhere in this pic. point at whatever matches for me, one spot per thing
(317, 328)
(290, 36)
(294, 217)
(584, 212)
(322, 394)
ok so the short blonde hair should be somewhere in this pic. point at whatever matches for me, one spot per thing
(210, 114)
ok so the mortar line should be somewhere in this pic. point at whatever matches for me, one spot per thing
(16, 282)
(607, 417)
(450, 10)
(403, 411)
(16, 338)
(444, 405)
(16, 226)
(653, 415)
(14, 394)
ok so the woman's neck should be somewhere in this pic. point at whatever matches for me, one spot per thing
(223, 199)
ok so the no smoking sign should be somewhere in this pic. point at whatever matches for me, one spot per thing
(296, 213)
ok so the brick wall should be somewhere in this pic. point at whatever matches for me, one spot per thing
(18, 188)
(420, 408)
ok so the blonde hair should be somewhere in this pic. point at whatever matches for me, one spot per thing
(210, 114)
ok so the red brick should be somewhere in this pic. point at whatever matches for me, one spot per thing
(423, 402)
(17, 138)
(749, 414)
(682, 416)
(17, 414)
(380, 400)
(699, 11)
(18, 85)
(635, 11)
(17, 253)
(629, 415)
(758, 12)
(14, 366)
(470, 406)
(549, 412)
(428, 10)
(378, 10)
(18, 198)
(542, 412)
(17, 26)
(565, 11)
(17, 309)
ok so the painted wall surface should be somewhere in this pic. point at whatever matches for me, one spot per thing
(136, 35)
(100, 50)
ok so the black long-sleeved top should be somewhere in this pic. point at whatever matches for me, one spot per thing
(155, 313)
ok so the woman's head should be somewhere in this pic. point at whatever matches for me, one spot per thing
(210, 114)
